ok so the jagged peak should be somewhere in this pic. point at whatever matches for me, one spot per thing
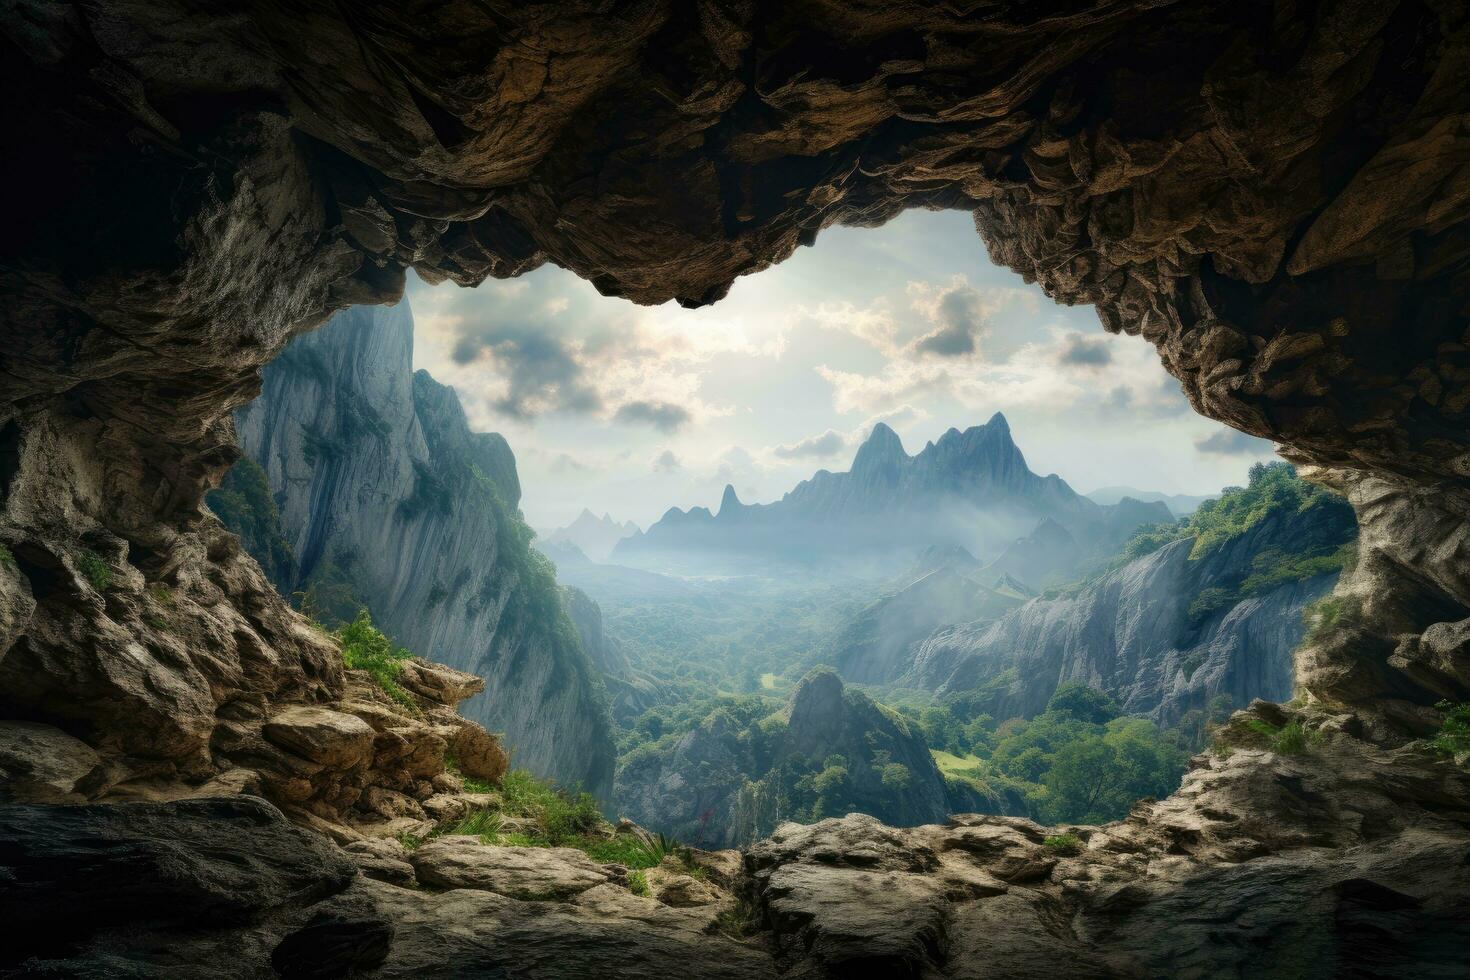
(998, 422)
(882, 446)
(729, 500)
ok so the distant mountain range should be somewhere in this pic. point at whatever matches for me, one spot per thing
(1181, 504)
(594, 536)
(971, 489)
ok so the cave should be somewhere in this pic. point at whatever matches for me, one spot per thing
(1273, 194)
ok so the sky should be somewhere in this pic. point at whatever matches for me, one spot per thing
(631, 410)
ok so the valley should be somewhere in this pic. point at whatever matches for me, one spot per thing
(1065, 644)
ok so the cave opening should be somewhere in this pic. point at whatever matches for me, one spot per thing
(1269, 194)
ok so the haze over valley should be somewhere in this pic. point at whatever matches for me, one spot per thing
(903, 634)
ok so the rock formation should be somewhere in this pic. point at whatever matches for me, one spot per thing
(721, 786)
(1272, 194)
(389, 500)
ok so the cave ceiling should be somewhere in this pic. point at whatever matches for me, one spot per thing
(1274, 194)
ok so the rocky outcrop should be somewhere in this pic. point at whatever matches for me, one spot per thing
(1337, 858)
(631, 691)
(389, 500)
(721, 786)
(973, 488)
(1132, 634)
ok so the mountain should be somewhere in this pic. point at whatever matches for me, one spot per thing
(1213, 606)
(1180, 504)
(1043, 557)
(387, 500)
(594, 536)
(971, 489)
(830, 751)
(872, 648)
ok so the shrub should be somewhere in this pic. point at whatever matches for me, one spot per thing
(96, 571)
(1291, 740)
(638, 884)
(1453, 737)
(739, 919)
(1065, 845)
(364, 647)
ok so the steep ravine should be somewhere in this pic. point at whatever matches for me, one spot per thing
(389, 500)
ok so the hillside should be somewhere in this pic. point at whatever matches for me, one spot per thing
(384, 498)
(1212, 605)
(750, 764)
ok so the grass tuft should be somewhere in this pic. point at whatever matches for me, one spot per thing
(1064, 845)
(638, 884)
(98, 575)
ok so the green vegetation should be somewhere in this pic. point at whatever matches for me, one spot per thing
(245, 505)
(6, 558)
(1453, 737)
(1318, 527)
(1292, 738)
(1080, 761)
(364, 647)
(98, 575)
(1064, 845)
(638, 884)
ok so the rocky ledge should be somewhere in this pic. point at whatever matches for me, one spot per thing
(1337, 858)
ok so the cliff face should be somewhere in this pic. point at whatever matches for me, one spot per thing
(972, 488)
(389, 500)
(1137, 633)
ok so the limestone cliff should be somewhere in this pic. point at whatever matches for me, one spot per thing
(389, 500)
(1140, 632)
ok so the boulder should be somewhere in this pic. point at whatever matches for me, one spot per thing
(191, 864)
(526, 873)
(332, 739)
(41, 764)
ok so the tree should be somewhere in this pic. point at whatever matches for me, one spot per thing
(1083, 703)
(896, 777)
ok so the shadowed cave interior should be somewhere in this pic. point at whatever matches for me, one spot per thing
(1272, 194)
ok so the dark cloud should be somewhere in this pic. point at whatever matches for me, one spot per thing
(1228, 442)
(664, 416)
(666, 462)
(961, 323)
(1079, 351)
(540, 371)
(829, 443)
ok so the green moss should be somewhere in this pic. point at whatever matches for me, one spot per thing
(1065, 845)
(95, 570)
(6, 558)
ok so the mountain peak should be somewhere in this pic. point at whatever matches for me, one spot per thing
(998, 421)
(730, 501)
(882, 446)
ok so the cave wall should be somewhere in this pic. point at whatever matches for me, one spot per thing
(1273, 193)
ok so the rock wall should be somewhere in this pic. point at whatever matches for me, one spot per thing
(385, 493)
(1131, 634)
(1273, 198)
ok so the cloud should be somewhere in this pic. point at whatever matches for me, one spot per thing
(540, 372)
(666, 462)
(1080, 351)
(961, 318)
(1229, 442)
(829, 443)
(566, 463)
(664, 416)
(735, 464)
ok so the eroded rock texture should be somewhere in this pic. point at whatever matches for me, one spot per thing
(1274, 194)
